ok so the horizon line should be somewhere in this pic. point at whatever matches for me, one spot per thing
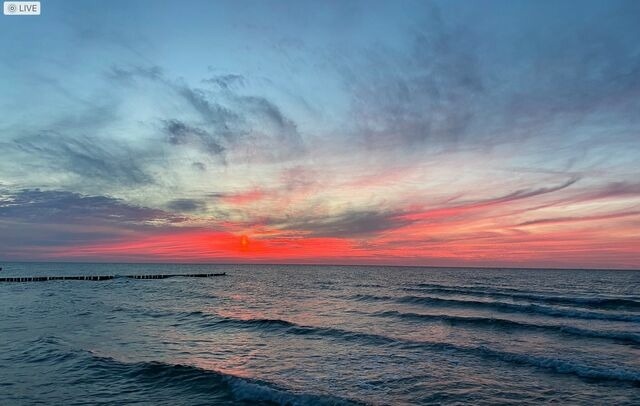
(329, 264)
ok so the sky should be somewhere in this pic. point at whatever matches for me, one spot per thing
(436, 133)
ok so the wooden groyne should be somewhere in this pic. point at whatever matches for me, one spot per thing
(106, 277)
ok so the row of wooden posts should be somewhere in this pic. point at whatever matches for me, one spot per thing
(104, 277)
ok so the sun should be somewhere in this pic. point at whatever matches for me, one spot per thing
(244, 242)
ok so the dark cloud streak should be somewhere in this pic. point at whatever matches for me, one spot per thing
(84, 157)
(180, 133)
(563, 220)
(61, 207)
(351, 224)
(186, 205)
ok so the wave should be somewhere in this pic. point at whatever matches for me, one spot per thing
(43, 349)
(496, 322)
(209, 386)
(213, 383)
(208, 321)
(368, 285)
(549, 364)
(372, 298)
(561, 366)
(529, 308)
(204, 320)
(189, 378)
(520, 308)
(605, 303)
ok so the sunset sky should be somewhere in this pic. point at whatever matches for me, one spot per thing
(462, 133)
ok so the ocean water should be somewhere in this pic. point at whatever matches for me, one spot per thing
(320, 335)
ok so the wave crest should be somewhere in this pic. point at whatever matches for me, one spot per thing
(505, 323)
(605, 303)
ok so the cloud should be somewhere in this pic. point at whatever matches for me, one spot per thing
(62, 207)
(84, 157)
(564, 220)
(221, 122)
(244, 198)
(180, 133)
(226, 120)
(456, 209)
(609, 190)
(527, 193)
(270, 136)
(458, 84)
(213, 113)
(612, 190)
(226, 81)
(107, 144)
(582, 67)
(350, 224)
(426, 95)
(268, 110)
(186, 205)
(34, 221)
(199, 166)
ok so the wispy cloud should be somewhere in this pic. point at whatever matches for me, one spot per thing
(350, 224)
(180, 133)
(84, 157)
(34, 219)
(186, 205)
(225, 119)
(564, 220)
(34, 205)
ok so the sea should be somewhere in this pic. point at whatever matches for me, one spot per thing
(319, 335)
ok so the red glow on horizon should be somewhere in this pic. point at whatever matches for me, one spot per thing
(502, 231)
(410, 246)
